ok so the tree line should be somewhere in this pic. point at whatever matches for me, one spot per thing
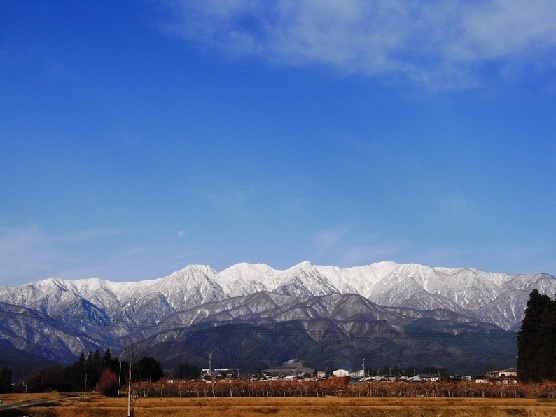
(101, 372)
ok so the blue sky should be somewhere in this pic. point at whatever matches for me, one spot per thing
(138, 137)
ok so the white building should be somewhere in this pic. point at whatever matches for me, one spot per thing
(340, 372)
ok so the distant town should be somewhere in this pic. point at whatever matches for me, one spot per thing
(295, 370)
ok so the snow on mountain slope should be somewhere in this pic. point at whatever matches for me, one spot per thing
(192, 286)
(28, 330)
(358, 279)
(244, 278)
(305, 280)
(57, 298)
(494, 297)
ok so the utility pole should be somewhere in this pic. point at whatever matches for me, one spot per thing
(85, 386)
(210, 373)
(129, 411)
(129, 402)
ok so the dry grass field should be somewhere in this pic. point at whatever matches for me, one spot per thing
(97, 406)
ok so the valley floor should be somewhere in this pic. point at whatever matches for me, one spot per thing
(97, 406)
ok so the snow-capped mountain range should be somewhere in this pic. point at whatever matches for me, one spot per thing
(94, 312)
(496, 298)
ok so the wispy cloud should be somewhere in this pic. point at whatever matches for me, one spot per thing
(448, 256)
(24, 252)
(365, 254)
(511, 259)
(327, 240)
(459, 208)
(339, 246)
(28, 253)
(436, 44)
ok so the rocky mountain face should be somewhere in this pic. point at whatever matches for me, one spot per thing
(394, 313)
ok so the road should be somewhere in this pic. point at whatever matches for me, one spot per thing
(29, 403)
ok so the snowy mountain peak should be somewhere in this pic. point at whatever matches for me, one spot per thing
(494, 297)
(245, 278)
(247, 271)
(195, 270)
(100, 313)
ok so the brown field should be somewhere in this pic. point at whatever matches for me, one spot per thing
(98, 406)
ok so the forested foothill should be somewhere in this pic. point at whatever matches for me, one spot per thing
(536, 367)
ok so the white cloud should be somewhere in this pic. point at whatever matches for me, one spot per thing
(437, 44)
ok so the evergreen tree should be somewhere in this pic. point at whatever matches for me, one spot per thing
(107, 357)
(95, 358)
(5, 380)
(547, 335)
(536, 340)
(186, 371)
(148, 369)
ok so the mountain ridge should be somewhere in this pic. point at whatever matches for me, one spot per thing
(493, 297)
(397, 300)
